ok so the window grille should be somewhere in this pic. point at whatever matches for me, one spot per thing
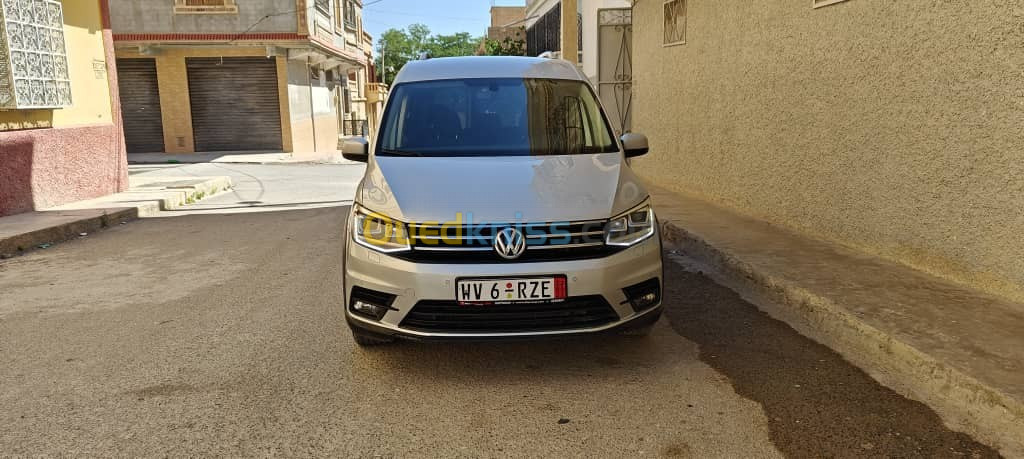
(545, 34)
(675, 22)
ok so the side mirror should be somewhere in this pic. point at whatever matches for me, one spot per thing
(356, 149)
(634, 144)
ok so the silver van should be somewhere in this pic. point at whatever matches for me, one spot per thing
(497, 203)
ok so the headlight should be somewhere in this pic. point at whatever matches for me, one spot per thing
(379, 232)
(631, 227)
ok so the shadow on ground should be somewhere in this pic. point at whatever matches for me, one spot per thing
(818, 404)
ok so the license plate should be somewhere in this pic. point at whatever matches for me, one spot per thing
(490, 291)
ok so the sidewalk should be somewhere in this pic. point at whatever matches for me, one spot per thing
(145, 197)
(957, 350)
(239, 157)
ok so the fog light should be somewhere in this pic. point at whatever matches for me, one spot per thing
(368, 308)
(646, 299)
(644, 295)
(369, 303)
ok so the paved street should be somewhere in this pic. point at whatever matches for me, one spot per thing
(264, 188)
(218, 331)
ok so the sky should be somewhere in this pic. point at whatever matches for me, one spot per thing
(441, 16)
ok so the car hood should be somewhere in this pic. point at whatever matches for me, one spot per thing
(501, 189)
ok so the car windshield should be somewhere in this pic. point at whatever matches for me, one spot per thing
(494, 117)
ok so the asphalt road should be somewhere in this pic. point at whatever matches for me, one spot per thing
(222, 334)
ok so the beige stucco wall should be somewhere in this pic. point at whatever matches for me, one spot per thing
(502, 16)
(893, 126)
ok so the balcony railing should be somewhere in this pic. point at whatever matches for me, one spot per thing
(376, 92)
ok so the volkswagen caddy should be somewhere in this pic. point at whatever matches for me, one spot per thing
(497, 203)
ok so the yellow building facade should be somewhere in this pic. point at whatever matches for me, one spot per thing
(51, 156)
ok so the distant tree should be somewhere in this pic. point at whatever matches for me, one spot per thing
(506, 47)
(459, 44)
(396, 47)
(419, 37)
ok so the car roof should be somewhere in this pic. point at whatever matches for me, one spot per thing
(450, 68)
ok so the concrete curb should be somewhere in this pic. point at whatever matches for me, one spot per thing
(189, 194)
(991, 416)
(25, 242)
(94, 215)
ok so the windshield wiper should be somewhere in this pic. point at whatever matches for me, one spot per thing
(387, 152)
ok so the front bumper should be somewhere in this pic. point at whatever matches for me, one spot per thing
(414, 282)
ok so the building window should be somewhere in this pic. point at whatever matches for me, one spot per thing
(205, 6)
(675, 22)
(351, 15)
(33, 57)
(821, 3)
(323, 7)
(339, 15)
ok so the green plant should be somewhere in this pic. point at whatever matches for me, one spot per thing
(506, 47)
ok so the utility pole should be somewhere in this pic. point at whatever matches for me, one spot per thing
(383, 61)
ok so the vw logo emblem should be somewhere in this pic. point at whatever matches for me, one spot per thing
(509, 243)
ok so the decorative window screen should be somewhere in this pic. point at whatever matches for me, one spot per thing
(33, 58)
(675, 22)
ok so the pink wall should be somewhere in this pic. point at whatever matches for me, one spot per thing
(42, 168)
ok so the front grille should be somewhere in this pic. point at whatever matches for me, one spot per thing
(489, 256)
(545, 242)
(450, 317)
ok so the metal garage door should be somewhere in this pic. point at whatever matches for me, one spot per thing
(234, 103)
(140, 105)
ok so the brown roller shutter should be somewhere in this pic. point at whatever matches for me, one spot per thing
(234, 103)
(140, 105)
